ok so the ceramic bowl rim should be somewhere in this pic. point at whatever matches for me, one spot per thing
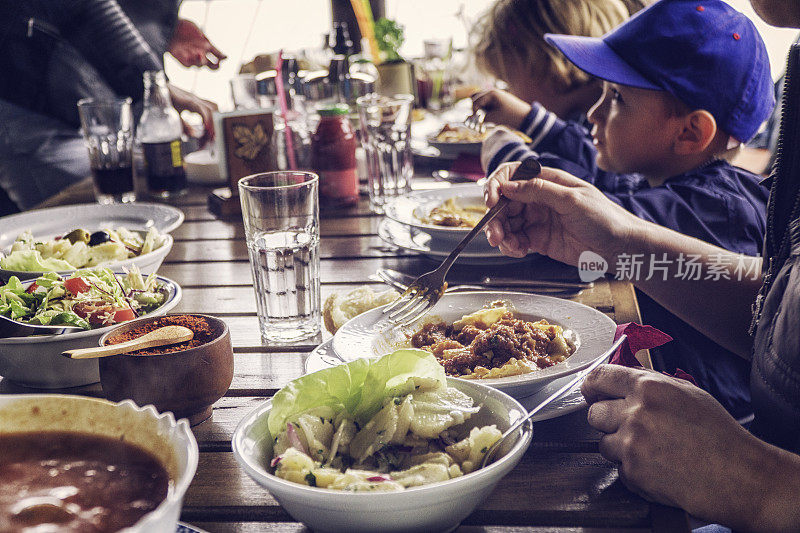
(179, 429)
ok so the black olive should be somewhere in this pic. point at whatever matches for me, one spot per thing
(99, 237)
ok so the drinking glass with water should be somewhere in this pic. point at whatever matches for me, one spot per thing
(281, 220)
(386, 139)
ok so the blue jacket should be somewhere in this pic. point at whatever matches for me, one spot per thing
(718, 203)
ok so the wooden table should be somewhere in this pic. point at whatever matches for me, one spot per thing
(562, 483)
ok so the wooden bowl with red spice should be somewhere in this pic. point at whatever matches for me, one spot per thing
(185, 378)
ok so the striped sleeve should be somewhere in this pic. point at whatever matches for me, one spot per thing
(537, 124)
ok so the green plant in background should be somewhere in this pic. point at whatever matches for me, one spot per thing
(390, 37)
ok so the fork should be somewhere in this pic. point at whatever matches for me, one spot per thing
(476, 121)
(426, 290)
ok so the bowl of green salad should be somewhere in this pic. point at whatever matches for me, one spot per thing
(93, 300)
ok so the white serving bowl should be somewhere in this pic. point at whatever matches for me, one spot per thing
(435, 507)
(146, 263)
(589, 330)
(171, 442)
(37, 362)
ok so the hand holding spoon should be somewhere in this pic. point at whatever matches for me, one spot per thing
(158, 337)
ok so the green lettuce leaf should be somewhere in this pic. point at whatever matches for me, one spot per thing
(358, 387)
(31, 261)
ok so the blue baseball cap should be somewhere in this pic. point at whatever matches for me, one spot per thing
(704, 52)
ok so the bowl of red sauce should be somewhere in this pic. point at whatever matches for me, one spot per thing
(72, 463)
(184, 378)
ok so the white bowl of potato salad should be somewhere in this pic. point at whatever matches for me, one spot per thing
(29, 256)
(387, 444)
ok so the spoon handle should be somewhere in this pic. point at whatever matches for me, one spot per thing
(158, 337)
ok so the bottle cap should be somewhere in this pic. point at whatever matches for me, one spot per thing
(334, 110)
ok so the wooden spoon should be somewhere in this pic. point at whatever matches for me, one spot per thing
(157, 337)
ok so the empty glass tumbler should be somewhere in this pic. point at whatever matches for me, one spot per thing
(386, 139)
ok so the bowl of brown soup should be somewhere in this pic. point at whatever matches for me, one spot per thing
(184, 378)
(72, 463)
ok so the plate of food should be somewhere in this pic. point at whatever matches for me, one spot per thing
(93, 300)
(389, 444)
(323, 356)
(515, 342)
(447, 214)
(64, 239)
(456, 139)
(478, 252)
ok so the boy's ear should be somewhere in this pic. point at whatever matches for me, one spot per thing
(697, 132)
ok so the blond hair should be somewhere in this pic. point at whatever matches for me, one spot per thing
(514, 29)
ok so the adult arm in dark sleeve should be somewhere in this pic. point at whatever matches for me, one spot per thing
(107, 38)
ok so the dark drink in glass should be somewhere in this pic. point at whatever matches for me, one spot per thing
(115, 181)
(107, 127)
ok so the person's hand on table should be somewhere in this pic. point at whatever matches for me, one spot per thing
(557, 215)
(501, 107)
(191, 47)
(186, 101)
(676, 445)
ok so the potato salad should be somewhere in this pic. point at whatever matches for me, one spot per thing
(79, 249)
(380, 425)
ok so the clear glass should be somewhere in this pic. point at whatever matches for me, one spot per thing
(386, 138)
(244, 91)
(107, 127)
(292, 150)
(159, 132)
(281, 220)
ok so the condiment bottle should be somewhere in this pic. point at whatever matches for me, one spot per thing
(333, 157)
(159, 131)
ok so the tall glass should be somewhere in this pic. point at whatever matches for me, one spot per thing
(386, 138)
(107, 127)
(281, 220)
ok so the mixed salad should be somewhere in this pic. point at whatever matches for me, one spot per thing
(376, 425)
(88, 298)
(79, 249)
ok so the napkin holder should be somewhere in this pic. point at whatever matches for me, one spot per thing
(243, 142)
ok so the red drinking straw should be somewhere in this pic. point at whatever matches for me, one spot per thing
(284, 110)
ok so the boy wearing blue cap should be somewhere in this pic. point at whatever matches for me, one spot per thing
(683, 81)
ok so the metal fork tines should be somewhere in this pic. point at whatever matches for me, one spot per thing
(425, 291)
(476, 121)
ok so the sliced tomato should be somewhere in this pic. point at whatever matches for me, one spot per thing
(123, 315)
(97, 313)
(76, 285)
(32, 288)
